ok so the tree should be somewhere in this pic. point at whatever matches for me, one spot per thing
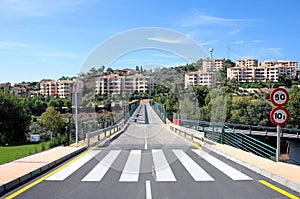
(293, 107)
(258, 113)
(201, 92)
(14, 117)
(52, 120)
(109, 70)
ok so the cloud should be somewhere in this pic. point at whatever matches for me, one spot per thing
(234, 32)
(238, 42)
(256, 41)
(200, 19)
(168, 40)
(11, 45)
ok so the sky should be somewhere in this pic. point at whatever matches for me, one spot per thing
(53, 38)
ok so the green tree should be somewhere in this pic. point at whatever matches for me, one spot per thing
(201, 92)
(52, 120)
(258, 113)
(293, 107)
(14, 117)
(239, 109)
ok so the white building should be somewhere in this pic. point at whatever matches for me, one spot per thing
(200, 78)
(61, 88)
(249, 70)
(116, 84)
(212, 65)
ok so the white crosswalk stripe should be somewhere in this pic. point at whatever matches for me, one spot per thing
(101, 168)
(223, 167)
(132, 167)
(67, 171)
(162, 168)
(192, 167)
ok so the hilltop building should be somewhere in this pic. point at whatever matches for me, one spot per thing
(117, 84)
(249, 70)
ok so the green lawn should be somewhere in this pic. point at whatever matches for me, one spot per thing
(8, 153)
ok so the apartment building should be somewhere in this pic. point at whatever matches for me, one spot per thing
(5, 85)
(60, 88)
(48, 87)
(212, 65)
(247, 63)
(64, 88)
(117, 84)
(200, 78)
(249, 70)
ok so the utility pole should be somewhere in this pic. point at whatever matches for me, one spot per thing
(211, 50)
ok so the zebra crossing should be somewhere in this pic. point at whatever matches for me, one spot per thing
(161, 167)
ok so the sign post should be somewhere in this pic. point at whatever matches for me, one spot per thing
(279, 115)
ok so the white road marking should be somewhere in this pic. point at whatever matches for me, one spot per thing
(146, 145)
(148, 190)
(132, 167)
(67, 171)
(192, 167)
(102, 167)
(162, 169)
(223, 167)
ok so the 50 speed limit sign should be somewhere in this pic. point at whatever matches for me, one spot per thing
(279, 97)
(279, 116)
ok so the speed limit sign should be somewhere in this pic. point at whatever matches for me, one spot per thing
(279, 97)
(279, 116)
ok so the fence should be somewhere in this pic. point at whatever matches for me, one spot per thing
(225, 135)
(94, 134)
(160, 110)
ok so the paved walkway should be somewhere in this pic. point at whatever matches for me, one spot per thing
(18, 171)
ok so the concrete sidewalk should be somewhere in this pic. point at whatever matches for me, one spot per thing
(19, 171)
(283, 173)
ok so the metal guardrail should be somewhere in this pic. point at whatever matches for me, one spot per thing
(194, 135)
(247, 129)
(160, 110)
(102, 134)
(96, 135)
(225, 135)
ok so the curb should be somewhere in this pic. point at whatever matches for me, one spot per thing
(281, 180)
(4, 188)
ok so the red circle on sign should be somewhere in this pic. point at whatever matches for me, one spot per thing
(275, 102)
(279, 116)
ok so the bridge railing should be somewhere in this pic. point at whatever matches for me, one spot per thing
(101, 134)
(95, 134)
(247, 129)
(160, 110)
(223, 134)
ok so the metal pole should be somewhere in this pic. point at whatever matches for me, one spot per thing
(278, 144)
(76, 114)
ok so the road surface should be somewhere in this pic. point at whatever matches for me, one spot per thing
(148, 161)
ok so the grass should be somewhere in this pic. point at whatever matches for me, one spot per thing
(9, 153)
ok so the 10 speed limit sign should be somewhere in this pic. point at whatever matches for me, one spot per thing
(279, 115)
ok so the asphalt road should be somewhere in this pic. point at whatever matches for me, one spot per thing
(148, 161)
